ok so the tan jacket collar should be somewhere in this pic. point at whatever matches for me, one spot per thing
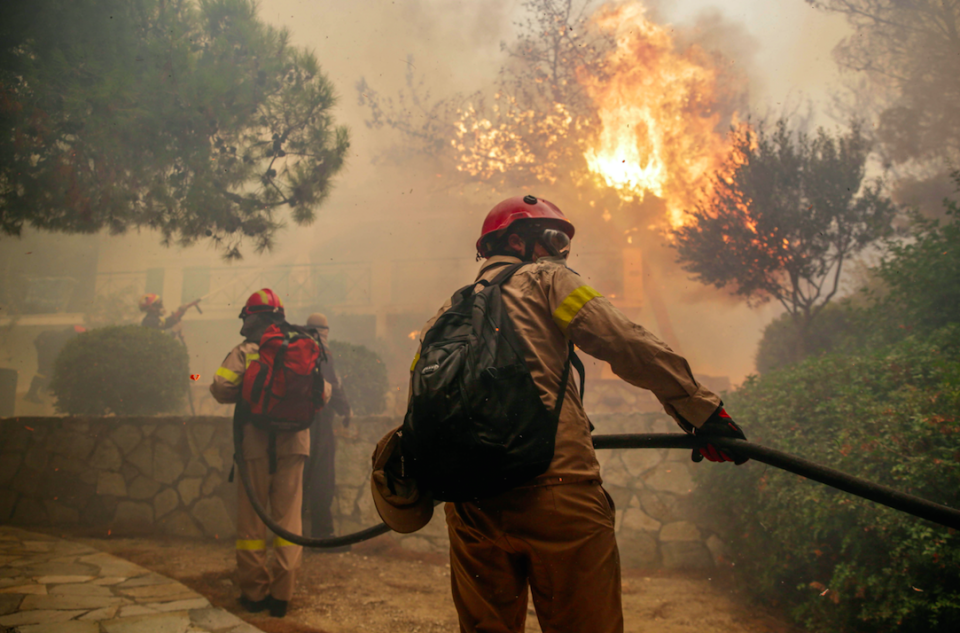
(497, 259)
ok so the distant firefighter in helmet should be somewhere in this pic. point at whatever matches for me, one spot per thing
(152, 307)
(496, 426)
(319, 474)
(274, 378)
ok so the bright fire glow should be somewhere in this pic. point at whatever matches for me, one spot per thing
(658, 115)
(486, 148)
(653, 129)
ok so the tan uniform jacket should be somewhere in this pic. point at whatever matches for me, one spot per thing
(226, 386)
(548, 304)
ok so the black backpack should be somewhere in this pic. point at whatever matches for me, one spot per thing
(475, 425)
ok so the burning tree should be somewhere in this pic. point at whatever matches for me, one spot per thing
(782, 216)
(195, 119)
(604, 103)
(530, 127)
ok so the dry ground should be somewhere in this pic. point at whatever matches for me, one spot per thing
(380, 588)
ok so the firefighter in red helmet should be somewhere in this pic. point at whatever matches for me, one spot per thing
(555, 534)
(538, 219)
(264, 588)
(152, 306)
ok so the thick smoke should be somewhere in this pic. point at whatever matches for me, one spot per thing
(398, 212)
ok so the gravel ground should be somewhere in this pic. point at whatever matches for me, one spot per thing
(380, 588)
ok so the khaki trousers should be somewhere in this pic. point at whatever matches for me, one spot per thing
(283, 491)
(558, 539)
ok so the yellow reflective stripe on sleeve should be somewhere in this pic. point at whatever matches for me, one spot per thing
(251, 545)
(282, 542)
(230, 376)
(415, 359)
(570, 306)
(252, 357)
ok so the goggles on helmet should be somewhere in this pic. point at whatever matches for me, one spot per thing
(556, 242)
(264, 309)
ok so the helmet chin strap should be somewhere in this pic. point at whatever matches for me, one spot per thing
(529, 247)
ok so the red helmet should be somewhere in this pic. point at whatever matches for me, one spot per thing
(150, 300)
(522, 208)
(265, 300)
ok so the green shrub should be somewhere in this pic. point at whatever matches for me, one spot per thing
(922, 277)
(837, 327)
(888, 415)
(124, 370)
(364, 377)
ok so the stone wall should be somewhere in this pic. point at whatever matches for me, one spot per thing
(657, 524)
(168, 476)
(125, 475)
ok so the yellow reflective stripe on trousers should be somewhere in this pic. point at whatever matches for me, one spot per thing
(230, 376)
(251, 545)
(252, 357)
(570, 306)
(415, 359)
(282, 542)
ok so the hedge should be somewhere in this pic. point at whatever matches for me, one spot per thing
(123, 370)
(836, 562)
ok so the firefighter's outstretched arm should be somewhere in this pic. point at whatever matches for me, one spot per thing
(229, 377)
(177, 315)
(634, 354)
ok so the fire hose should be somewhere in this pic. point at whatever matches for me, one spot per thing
(884, 495)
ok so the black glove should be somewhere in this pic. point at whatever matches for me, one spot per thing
(720, 424)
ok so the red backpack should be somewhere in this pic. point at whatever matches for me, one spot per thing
(283, 386)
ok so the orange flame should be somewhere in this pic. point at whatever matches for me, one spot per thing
(653, 129)
(657, 108)
(413, 335)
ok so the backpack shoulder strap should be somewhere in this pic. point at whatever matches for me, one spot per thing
(238, 437)
(466, 293)
(572, 359)
(578, 365)
(561, 394)
(505, 274)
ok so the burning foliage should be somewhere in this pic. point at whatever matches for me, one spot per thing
(609, 103)
(786, 212)
(660, 114)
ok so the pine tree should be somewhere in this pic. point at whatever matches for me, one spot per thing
(192, 118)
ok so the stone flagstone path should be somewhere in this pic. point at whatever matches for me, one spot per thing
(49, 585)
